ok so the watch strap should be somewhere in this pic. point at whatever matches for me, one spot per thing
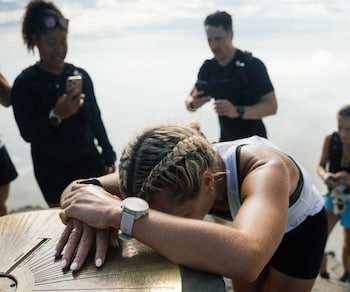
(241, 110)
(126, 225)
(90, 181)
(54, 118)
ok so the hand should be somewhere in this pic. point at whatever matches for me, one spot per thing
(224, 107)
(92, 205)
(329, 180)
(69, 104)
(76, 242)
(198, 99)
(342, 177)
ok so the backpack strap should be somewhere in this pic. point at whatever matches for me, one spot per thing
(243, 60)
(335, 153)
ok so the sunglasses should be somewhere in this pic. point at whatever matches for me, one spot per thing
(52, 22)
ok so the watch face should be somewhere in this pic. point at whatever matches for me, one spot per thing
(135, 204)
(240, 110)
(54, 120)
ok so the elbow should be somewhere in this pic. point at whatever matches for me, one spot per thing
(249, 274)
(250, 268)
(274, 108)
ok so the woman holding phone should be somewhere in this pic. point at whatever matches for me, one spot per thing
(61, 125)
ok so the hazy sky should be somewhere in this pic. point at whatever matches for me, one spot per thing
(144, 55)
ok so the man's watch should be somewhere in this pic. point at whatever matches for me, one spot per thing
(241, 110)
(54, 119)
(133, 208)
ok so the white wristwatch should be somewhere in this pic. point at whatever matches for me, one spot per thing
(54, 118)
(133, 208)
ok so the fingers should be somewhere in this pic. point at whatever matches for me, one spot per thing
(63, 239)
(102, 241)
(83, 247)
(71, 243)
(64, 217)
(62, 98)
(113, 237)
(76, 241)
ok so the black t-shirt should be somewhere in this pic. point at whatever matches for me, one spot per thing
(34, 93)
(243, 82)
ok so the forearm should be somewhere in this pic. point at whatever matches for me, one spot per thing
(109, 183)
(200, 245)
(321, 171)
(265, 107)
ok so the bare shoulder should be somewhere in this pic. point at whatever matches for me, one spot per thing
(256, 156)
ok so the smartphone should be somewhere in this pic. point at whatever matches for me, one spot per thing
(74, 82)
(202, 85)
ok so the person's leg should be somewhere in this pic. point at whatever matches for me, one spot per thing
(346, 256)
(272, 280)
(4, 193)
(256, 286)
(346, 251)
(345, 222)
(277, 281)
(332, 221)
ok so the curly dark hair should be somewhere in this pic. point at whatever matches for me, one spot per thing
(32, 24)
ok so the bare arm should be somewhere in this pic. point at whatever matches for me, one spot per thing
(266, 106)
(241, 251)
(5, 92)
(108, 181)
(321, 168)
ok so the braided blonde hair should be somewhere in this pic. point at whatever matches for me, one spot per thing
(166, 156)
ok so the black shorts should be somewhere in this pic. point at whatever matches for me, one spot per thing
(7, 170)
(300, 253)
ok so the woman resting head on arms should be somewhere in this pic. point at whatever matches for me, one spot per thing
(279, 227)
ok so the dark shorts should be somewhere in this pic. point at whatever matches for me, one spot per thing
(7, 170)
(301, 250)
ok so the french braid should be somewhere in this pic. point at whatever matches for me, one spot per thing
(166, 156)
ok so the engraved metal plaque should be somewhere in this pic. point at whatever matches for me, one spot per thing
(27, 263)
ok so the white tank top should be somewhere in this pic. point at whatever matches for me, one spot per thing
(309, 203)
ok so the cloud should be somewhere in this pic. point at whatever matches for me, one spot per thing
(99, 18)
